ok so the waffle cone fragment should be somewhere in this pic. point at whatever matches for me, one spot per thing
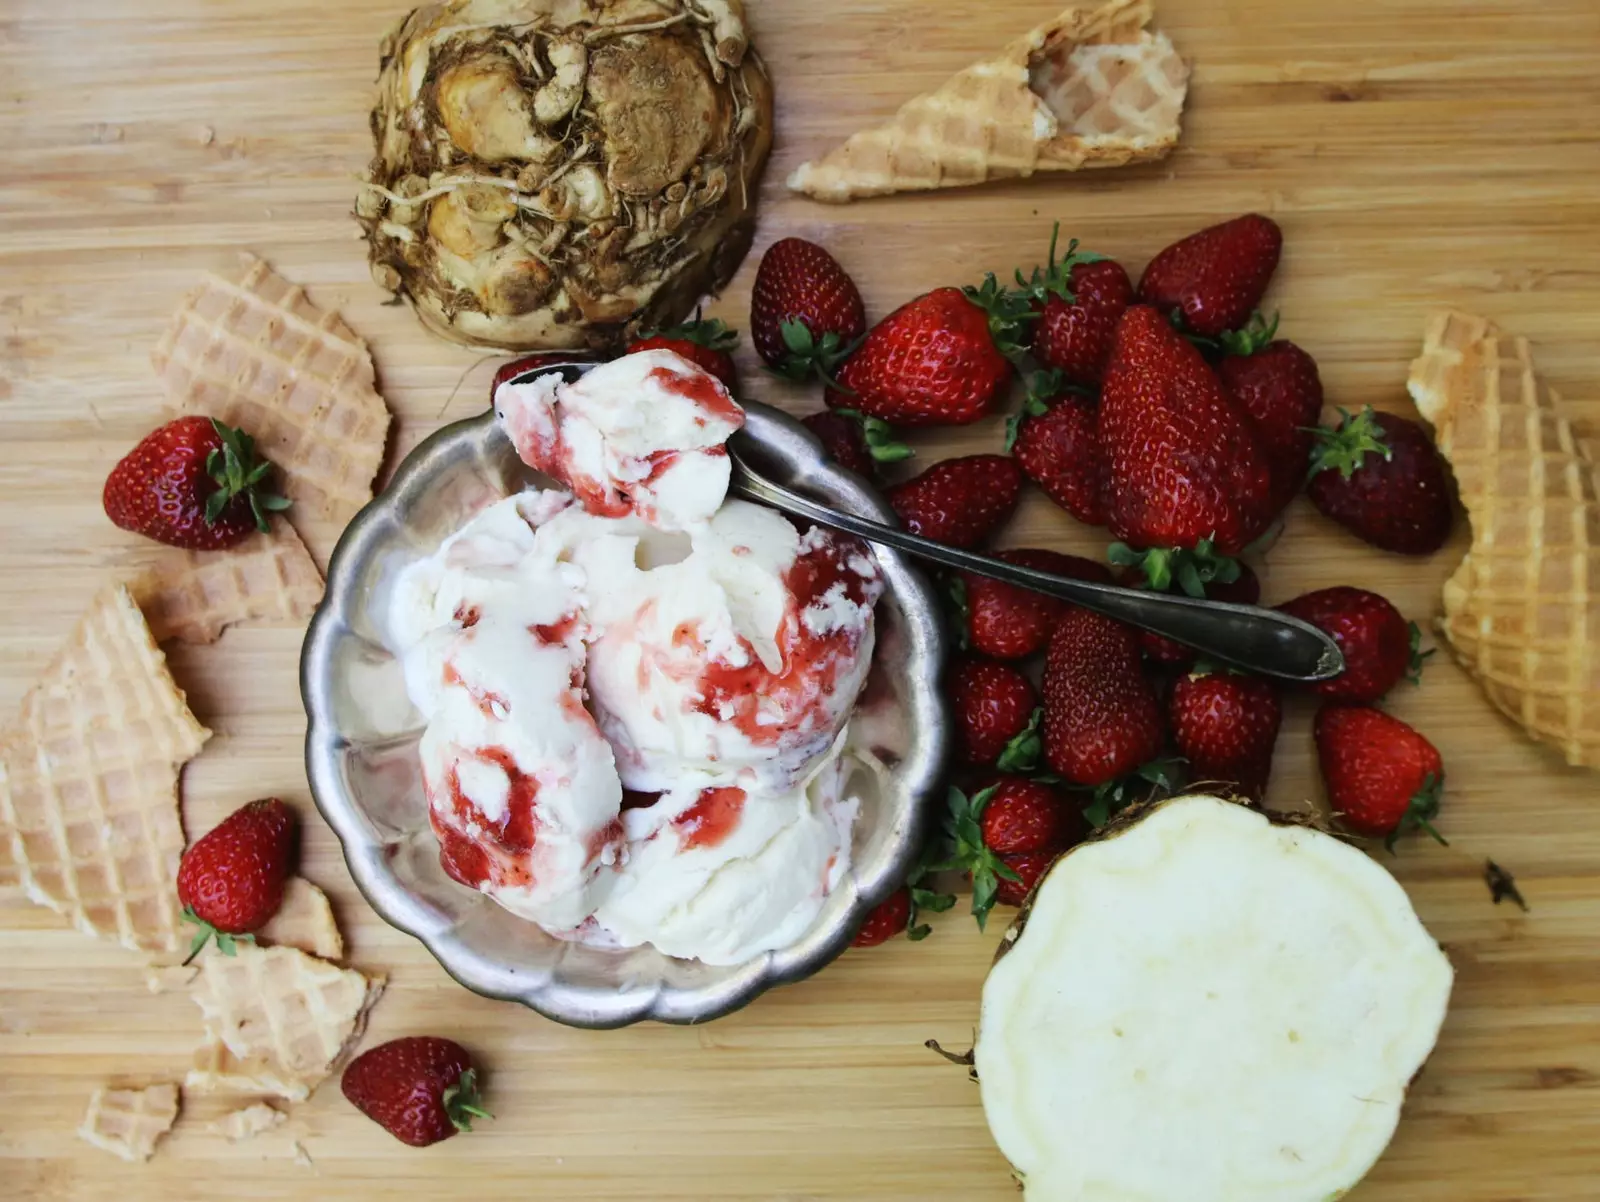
(277, 1020)
(1522, 612)
(192, 596)
(128, 1122)
(254, 352)
(89, 781)
(304, 920)
(1091, 88)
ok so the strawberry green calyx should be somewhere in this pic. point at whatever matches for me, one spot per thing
(1420, 812)
(236, 471)
(1250, 338)
(1347, 446)
(227, 941)
(1418, 657)
(1150, 780)
(924, 900)
(462, 1103)
(960, 613)
(971, 854)
(1190, 569)
(806, 355)
(1022, 753)
(878, 435)
(1007, 311)
(713, 333)
(1040, 389)
(1056, 278)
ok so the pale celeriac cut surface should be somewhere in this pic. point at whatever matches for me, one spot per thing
(1207, 1007)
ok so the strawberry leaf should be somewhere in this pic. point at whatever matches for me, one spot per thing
(1007, 311)
(1149, 780)
(461, 1102)
(1417, 658)
(1346, 447)
(1190, 569)
(1056, 278)
(713, 334)
(956, 591)
(1420, 812)
(237, 473)
(1251, 338)
(881, 442)
(970, 854)
(1023, 751)
(808, 356)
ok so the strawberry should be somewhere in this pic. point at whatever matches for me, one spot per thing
(1022, 873)
(1056, 440)
(959, 501)
(856, 442)
(1276, 385)
(1199, 574)
(805, 311)
(230, 882)
(420, 1089)
(1101, 718)
(192, 483)
(994, 711)
(705, 343)
(1226, 725)
(1030, 818)
(1007, 622)
(534, 363)
(1214, 279)
(1078, 301)
(1022, 814)
(887, 919)
(1379, 645)
(939, 360)
(1183, 463)
(1383, 777)
(1380, 477)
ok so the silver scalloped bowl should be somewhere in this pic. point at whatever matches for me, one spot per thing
(362, 735)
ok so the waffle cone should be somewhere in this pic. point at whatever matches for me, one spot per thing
(304, 920)
(254, 352)
(128, 1122)
(1522, 612)
(89, 781)
(1091, 88)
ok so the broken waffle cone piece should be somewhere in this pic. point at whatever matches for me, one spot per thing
(128, 1122)
(304, 920)
(89, 781)
(249, 1121)
(1092, 88)
(1522, 612)
(192, 596)
(255, 353)
(277, 1020)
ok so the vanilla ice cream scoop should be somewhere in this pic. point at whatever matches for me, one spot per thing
(640, 435)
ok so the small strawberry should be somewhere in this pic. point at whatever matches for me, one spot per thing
(1023, 814)
(1384, 779)
(1183, 463)
(959, 501)
(1079, 301)
(1101, 717)
(1007, 622)
(420, 1089)
(1197, 573)
(805, 312)
(887, 919)
(1030, 813)
(942, 359)
(1380, 477)
(230, 882)
(994, 712)
(527, 364)
(1023, 870)
(1056, 439)
(1276, 385)
(1226, 726)
(1380, 647)
(706, 343)
(856, 442)
(192, 483)
(1216, 278)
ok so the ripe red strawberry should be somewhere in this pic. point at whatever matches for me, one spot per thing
(535, 363)
(938, 360)
(420, 1089)
(1214, 279)
(1079, 301)
(1226, 726)
(1383, 777)
(1380, 477)
(994, 707)
(230, 882)
(1025, 821)
(1008, 622)
(1276, 384)
(888, 918)
(805, 311)
(1379, 645)
(193, 483)
(1023, 814)
(1101, 717)
(1056, 440)
(856, 442)
(706, 343)
(1244, 588)
(1183, 463)
(959, 501)
(1026, 867)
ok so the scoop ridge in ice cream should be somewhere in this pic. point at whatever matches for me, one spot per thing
(637, 692)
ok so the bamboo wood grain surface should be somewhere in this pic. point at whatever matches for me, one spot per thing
(1415, 152)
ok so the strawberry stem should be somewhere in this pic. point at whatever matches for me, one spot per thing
(235, 470)
(1420, 811)
(461, 1102)
(227, 942)
(1056, 278)
(1251, 337)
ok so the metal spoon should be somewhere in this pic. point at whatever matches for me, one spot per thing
(1257, 640)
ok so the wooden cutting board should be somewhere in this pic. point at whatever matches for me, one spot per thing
(1415, 153)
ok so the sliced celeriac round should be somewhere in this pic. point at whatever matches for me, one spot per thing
(1205, 1006)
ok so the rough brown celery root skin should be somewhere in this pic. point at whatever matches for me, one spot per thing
(560, 174)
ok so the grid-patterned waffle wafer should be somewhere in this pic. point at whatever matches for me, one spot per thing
(1091, 88)
(89, 780)
(249, 1121)
(304, 920)
(192, 596)
(128, 1122)
(277, 1019)
(254, 352)
(1522, 612)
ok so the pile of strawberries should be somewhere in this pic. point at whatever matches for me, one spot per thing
(1171, 414)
